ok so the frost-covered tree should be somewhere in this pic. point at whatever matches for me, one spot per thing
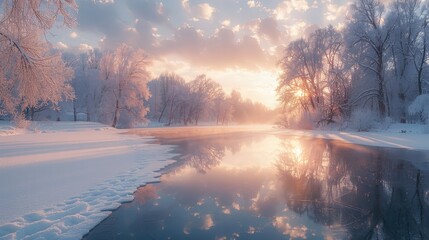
(171, 86)
(222, 109)
(299, 83)
(175, 101)
(124, 92)
(377, 64)
(314, 79)
(203, 92)
(368, 39)
(420, 108)
(406, 62)
(86, 83)
(32, 75)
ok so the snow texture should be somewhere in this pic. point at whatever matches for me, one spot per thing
(59, 179)
(407, 136)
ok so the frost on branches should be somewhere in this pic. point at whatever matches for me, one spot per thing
(32, 75)
(124, 90)
(420, 108)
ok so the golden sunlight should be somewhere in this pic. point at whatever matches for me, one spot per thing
(299, 93)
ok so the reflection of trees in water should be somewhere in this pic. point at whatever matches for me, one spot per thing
(371, 193)
(203, 157)
(204, 153)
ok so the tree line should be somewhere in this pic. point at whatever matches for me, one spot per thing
(115, 88)
(175, 101)
(376, 65)
(109, 87)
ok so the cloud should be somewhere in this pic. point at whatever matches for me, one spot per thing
(83, 47)
(226, 22)
(285, 8)
(220, 51)
(268, 28)
(61, 45)
(253, 4)
(151, 11)
(205, 11)
(186, 6)
(236, 28)
(334, 12)
(200, 11)
(73, 35)
(106, 21)
(100, 18)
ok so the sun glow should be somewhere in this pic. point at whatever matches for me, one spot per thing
(299, 93)
(258, 86)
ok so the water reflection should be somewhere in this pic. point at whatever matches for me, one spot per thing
(371, 193)
(204, 153)
(266, 187)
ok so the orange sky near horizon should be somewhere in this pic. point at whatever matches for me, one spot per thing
(234, 42)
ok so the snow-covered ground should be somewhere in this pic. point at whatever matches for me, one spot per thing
(57, 179)
(407, 136)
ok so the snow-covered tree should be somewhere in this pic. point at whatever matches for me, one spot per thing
(125, 77)
(32, 75)
(171, 86)
(222, 109)
(86, 83)
(406, 62)
(377, 64)
(368, 39)
(420, 108)
(314, 79)
(203, 92)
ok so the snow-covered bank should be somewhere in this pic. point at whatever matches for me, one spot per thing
(57, 178)
(407, 136)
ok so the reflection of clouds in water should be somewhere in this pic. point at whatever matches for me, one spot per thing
(208, 222)
(226, 186)
(282, 224)
(251, 230)
(226, 211)
(200, 202)
(236, 206)
(187, 229)
(145, 194)
(315, 189)
(426, 196)
(266, 206)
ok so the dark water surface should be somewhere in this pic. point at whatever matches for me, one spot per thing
(242, 186)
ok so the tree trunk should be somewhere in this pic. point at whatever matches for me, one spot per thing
(74, 111)
(162, 113)
(32, 113)
(420, 70)
(115, 117)
(381, 103)
(170, 114)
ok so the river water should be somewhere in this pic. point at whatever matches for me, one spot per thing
(262, 186)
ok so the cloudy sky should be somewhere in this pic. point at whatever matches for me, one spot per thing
(235, 42)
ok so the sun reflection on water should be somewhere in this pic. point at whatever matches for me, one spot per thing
(271, 187)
